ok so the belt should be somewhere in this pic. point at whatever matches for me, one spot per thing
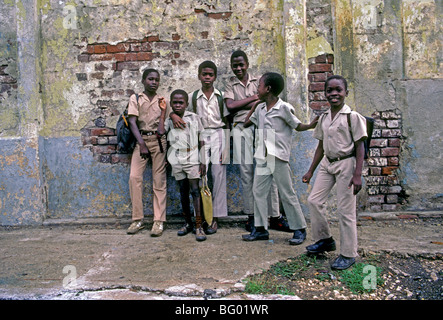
(331, 160)
(148, 133)
(187, 149)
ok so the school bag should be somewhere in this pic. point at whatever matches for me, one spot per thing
(369, 128)
(125, 138)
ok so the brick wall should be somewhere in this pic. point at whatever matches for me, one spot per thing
(109, 61)
(382, 184)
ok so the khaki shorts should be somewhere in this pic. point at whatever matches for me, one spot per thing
(183, 171)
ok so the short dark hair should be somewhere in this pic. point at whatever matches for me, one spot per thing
(148, 71)
(275, 81)
(179, 91)
(239, 53)
(337, 77)
(207, 64)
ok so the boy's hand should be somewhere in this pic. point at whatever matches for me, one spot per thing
(356, 181)
(162, 103)
(144, 152)
(307, 177)
(202, 169)
(314, 122)
(178, 122)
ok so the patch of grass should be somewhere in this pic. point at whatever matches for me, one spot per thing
(362, 277)
(282, 276)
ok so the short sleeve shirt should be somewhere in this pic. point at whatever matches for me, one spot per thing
(208, 109)
(335, 134)
(147, 112)
(236, 90)
(275, 128)
(185, 140)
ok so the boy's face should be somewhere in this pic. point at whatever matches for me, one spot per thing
(207, 77)
(262, 90)
(152, 82)
(336, 93)
(239, 66)
(179, 104)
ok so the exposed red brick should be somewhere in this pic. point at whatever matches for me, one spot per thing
(175, 37)
(102, 57)
(153, 38)
(121, 158)
(318, 105)
(407, 216)
(320, 67)
(204, 34)
(220, 15)
(389, 152)
(119, 47)
(104, 149)
(128, 65)
(387, 171)
(321, 59)
(144, 56)
(396, 142)
(102, 132)
(99, 48)
(317, 86)
(83, 58)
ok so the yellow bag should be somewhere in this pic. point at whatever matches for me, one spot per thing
(206, 200)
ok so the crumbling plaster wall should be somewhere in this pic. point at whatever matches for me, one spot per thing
(68, 68)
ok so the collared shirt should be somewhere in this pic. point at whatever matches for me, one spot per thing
(147, 112)
(236, 90)
(184, 142)
(275, 128)
(208, 109)
(335, 134)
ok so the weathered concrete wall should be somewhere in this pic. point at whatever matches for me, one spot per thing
(67, 73)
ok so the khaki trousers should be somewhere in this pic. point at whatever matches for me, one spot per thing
(274, 169)
(338, 173)
(138, 166)
(243, 147)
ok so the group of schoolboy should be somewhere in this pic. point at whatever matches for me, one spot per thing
(261, 126)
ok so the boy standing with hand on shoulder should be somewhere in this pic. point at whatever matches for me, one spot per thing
(207, 103)
(275, 120)
(183, 155)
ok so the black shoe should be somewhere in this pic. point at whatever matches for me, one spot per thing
(299, 237)
(185, 229)
(256, 235)
(249, 226)
(279, 223)
(342, 263)
(322, 246)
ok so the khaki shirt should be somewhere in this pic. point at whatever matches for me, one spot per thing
(184, 142)
(236, 90)
(335, 134)
(274, 130)
(147, 112)
(208, 109)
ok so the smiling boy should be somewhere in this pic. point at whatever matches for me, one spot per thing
(340, 153)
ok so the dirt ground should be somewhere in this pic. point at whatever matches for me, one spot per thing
(106, 263)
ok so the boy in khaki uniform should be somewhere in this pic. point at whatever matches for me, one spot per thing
(214, 136)
(275, 120)
(342, 165)
(183, 155)
(240, 96)
(144, 118)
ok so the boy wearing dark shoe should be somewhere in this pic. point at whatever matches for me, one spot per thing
(275, 120)
(183, 155)
(208, 104)
(340, 154)
(240, 96)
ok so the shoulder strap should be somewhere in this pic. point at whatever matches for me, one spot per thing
(194, 101)
(349, 124)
